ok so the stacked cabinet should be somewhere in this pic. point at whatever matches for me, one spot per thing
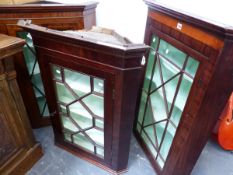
(186, 83)
(18, 149)
(91, 81)
(50, 14)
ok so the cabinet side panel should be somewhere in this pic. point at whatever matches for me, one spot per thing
(127, 85)
(7, 146)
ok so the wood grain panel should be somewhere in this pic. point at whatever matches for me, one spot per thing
(192, 31)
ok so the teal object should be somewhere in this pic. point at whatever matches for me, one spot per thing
(34, 73)
(168, 80)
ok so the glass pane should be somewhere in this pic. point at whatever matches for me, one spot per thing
(56, 72)
(96, 135)
(95, 103)
(150, 131)
(149, 145)
(99, 123)
(156, 82)
(83, 108)
(64, 95)
(138, 127)
(168, 70)
(172, 53)
(170, 89)
(158, 105)
(67, 136)
(151, 60)
(160, 161)
(79, 83)
(100, 152)
(82, 141)
(30, 58)
(166, 144)
(192, 66)
(154, 42)
(46, 111)
(142, 107)
(160, 127)
(155, 132)
(183, 92)
(81, 116)
(41, 103)
(149, 68)
(67, 124)
(98, 85)
(43, 107)
(36, 69)
(171, 129)
(38, 85)
(62, 109)
(149, 117)
(181, 99)
(176, 115)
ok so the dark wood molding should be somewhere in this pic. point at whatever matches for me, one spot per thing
(55, 7)
(205, 24)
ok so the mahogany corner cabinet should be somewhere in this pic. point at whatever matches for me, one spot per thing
(91, 82)
(186, 84)
(59, 16)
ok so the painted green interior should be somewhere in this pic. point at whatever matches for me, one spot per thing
(80, 98)
(34, 73)
(168, 79)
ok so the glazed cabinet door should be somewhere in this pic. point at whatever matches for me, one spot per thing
(168, 92)
(81, 105)
(41, 117)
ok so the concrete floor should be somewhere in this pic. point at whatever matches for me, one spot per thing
(213, 160)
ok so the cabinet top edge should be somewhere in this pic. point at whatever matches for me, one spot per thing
(54, 34)
(9, 44)
(48, 7)
(209, 24)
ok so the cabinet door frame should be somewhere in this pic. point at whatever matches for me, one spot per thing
(64, 61)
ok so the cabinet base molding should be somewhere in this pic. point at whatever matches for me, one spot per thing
(84, 157)
(25, 163)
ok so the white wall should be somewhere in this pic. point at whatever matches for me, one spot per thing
(126, 17)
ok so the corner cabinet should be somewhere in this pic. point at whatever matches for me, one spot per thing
(18, 148)
(50, 14)
(91, 81)
(186, 83)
